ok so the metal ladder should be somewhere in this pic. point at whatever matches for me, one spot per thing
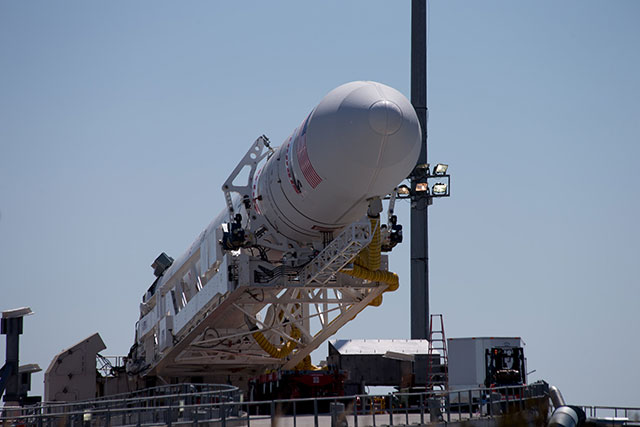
(438, 361)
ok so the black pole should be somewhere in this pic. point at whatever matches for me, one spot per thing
(419, 203)
(12, 328)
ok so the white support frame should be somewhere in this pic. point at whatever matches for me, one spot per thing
(214, 330)
(327, 308)
(258, 151)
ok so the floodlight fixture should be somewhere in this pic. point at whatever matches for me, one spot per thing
(422, 187)
(422, 170)
(439, 189)
(403, 190)
(440, 169)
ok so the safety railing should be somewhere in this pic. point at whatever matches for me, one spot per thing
(127, 407)
(357, 411)
(612, 412)
(170, 390)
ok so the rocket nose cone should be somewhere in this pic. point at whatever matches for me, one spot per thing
(385, 117)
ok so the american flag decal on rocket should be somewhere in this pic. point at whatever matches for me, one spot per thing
(306, 167)
(305, 164)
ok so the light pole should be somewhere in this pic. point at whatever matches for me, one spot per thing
(419, 203)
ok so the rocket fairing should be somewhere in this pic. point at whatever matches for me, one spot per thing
(361, 140)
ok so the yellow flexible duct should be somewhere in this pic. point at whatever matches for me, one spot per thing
(306, 365)
(387, 277)
(287, 348)
(366, 265)
(374, 248)
(274, 351)
(370, 256)
(383, 276)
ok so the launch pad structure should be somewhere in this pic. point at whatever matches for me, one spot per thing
(296, 254)
(291, 259)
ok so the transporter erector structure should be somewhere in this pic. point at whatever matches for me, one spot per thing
(296, 253)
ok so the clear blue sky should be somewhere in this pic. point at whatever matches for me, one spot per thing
(120, 120)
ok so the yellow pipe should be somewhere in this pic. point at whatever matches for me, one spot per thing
(369, 257)
(366, 265)
(306, 365)
(288, 347)
(274, 351)
(383, 276)
(374, 248)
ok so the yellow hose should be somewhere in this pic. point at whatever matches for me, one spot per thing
(306, 365)
(366, 265)
(374, 248)
(383, 276)
(369, 257)
(287, 348)
(274, 351)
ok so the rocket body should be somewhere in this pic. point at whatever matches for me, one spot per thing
(361, 140)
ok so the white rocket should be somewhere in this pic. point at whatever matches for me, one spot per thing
(358, 143)
(247, 292)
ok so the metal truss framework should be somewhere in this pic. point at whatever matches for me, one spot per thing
(240, 312)
(317, 302)
(330, 308)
